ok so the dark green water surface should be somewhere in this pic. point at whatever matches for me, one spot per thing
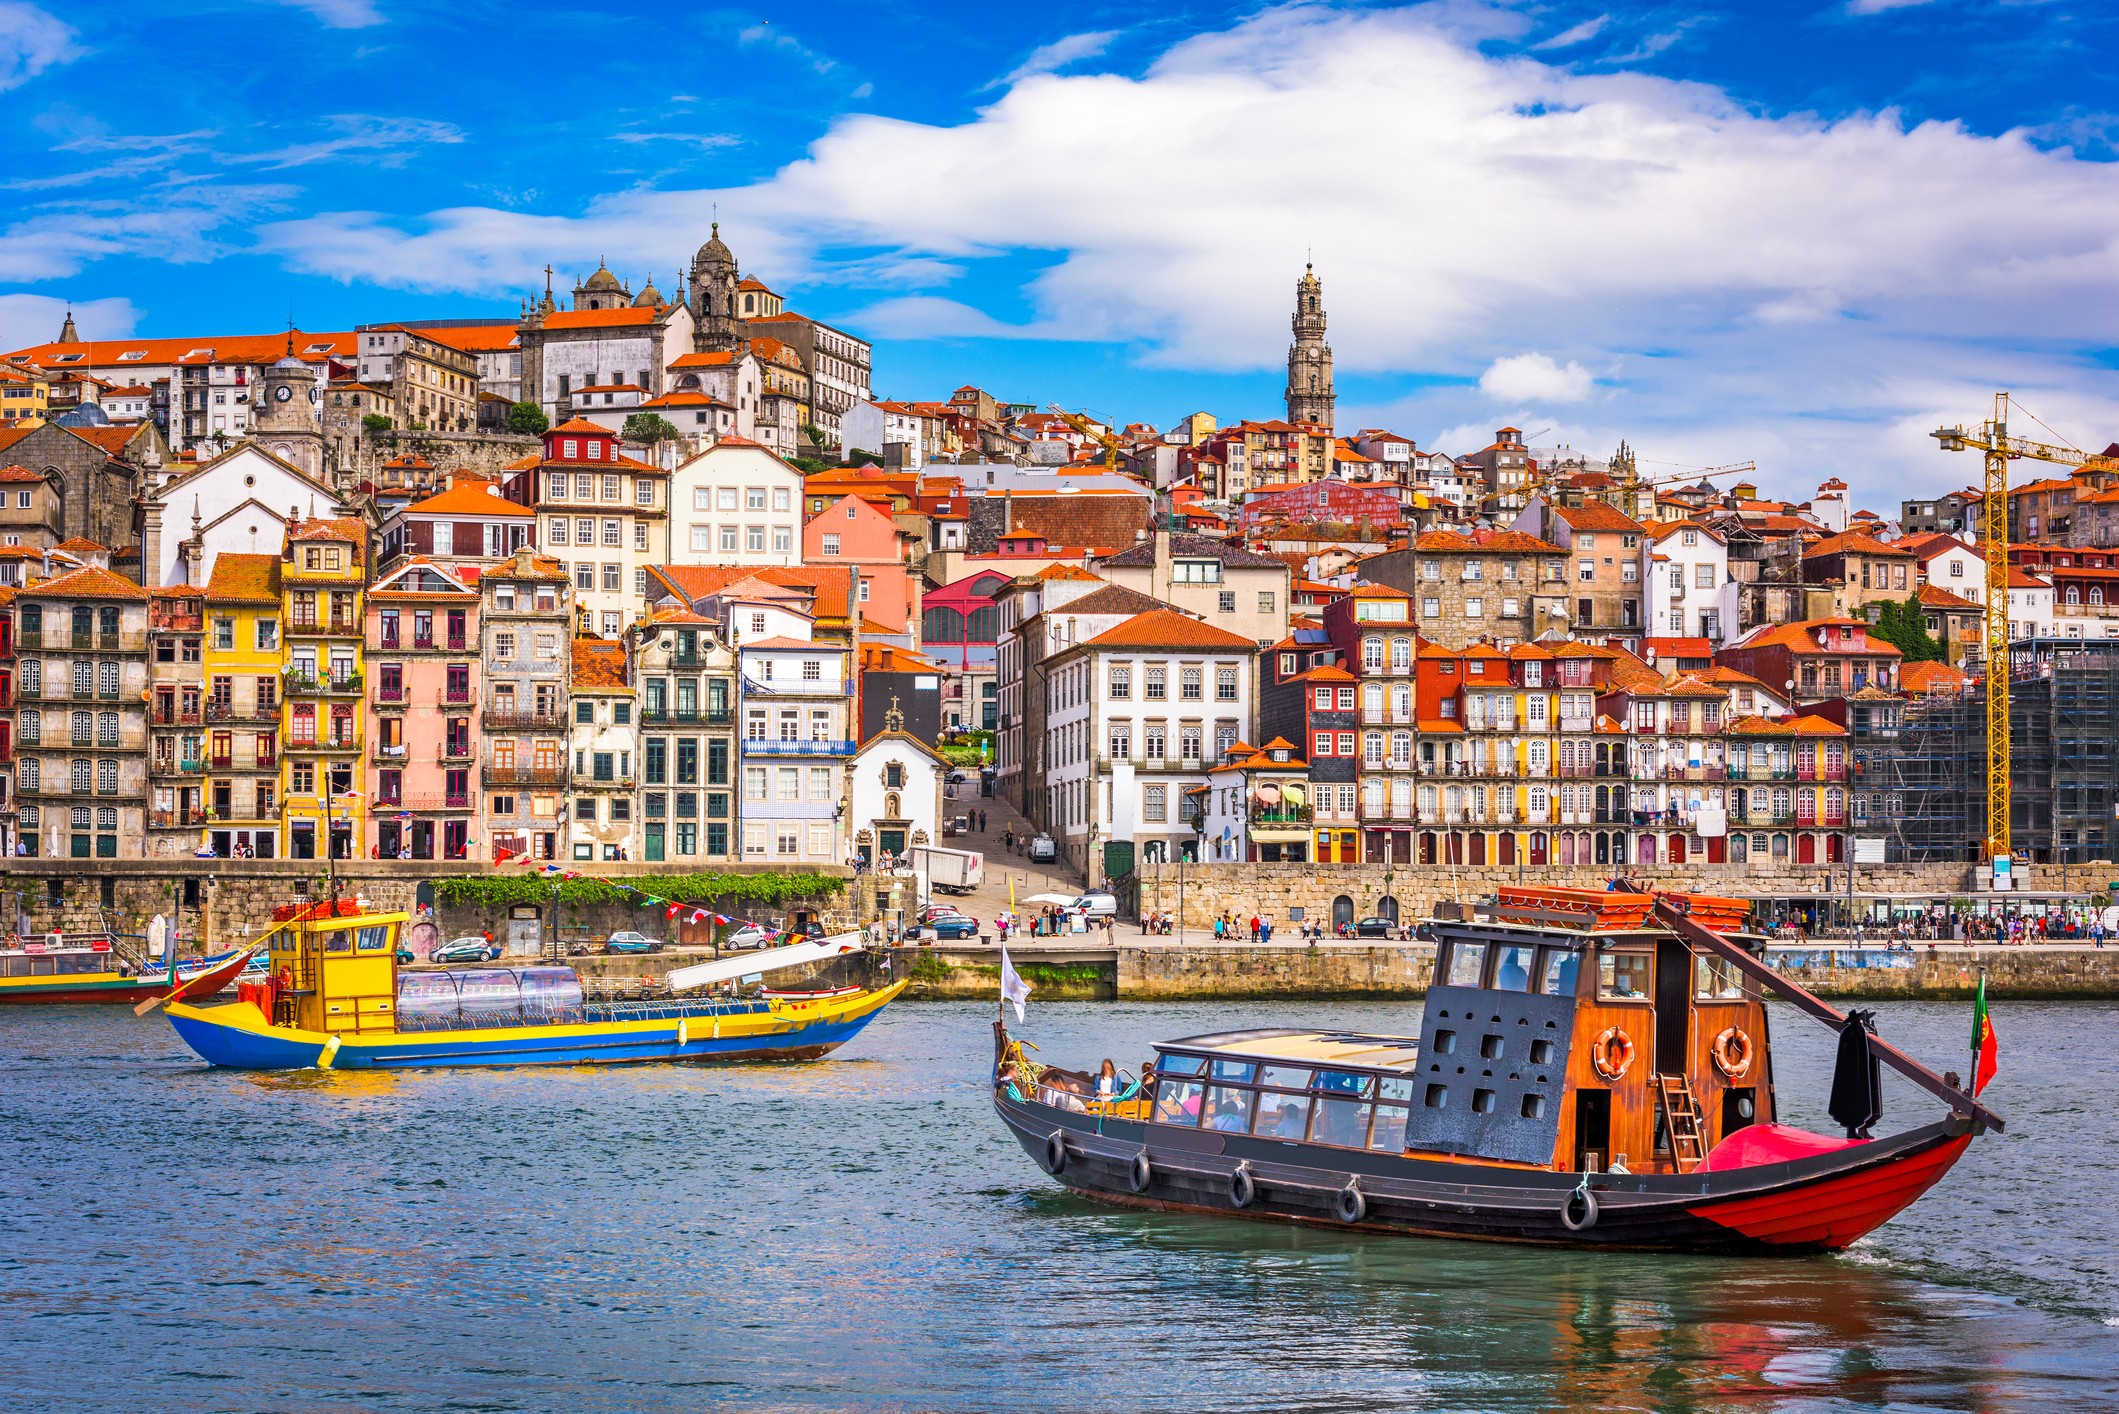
(860, 1233)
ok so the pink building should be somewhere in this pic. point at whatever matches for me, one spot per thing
(853, 532)
(423, 659)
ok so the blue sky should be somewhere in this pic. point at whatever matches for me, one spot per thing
(1799, 234)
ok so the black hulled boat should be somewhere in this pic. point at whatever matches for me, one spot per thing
(1592, 1069)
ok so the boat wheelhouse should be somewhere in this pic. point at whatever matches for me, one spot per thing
(1589, 1069)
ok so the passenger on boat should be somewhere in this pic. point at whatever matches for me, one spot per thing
(1107, 1081)
(1230, 1116)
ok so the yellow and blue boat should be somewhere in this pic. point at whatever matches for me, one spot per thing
(335, 999)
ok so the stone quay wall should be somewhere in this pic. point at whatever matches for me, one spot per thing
(1273, 892)
(1200, 972)
(223, 900)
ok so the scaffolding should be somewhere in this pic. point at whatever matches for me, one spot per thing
(1936, 769)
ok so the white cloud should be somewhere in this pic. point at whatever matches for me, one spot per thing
(764, 34)
(1776, 286)
(1568, 38)
(31, 41)
(36, 319)
(177, 225)
(708, 140)
(342, 14)
(1057, 55)
(387, 141)
(1534, 377)
(1877, 7)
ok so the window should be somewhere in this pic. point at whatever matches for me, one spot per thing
(1189, 682)
(1121, 681)
(831, 544)
(558, 532)
(1154, 688)
(754, 538)
(1703, 577)
(1474, 608)
(1155, 804)
(1225, 684)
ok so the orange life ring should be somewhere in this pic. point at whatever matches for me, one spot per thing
(1732, 1053)
(1612, 1053)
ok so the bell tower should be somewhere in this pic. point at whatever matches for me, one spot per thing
(287, 419)
(1310, 396)
(716, 327)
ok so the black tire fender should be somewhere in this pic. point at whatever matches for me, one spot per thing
(1352, 1204)
(1142, 1172)
(1056, 1151)
(1243, 1190)
(1586, 1201)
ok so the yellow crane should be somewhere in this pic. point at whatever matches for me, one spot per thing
(1111, 445)
(1992, 439)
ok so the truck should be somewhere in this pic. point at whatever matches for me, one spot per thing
(951, 871)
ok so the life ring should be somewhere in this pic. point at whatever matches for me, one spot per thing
(1055, 1151)
(1142, 1172)
(1587, 1201)
(1242, 1191)
(1732, 1053)
(1351, 1205)
(1612, 1053)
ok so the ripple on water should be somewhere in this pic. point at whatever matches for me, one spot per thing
(859, 1234)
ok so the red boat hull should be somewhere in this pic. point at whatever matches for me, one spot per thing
(89, 991)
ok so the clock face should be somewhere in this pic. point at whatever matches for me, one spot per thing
(283, 392)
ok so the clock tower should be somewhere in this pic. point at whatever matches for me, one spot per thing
(287, 419)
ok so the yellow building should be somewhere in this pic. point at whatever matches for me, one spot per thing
(245, 651)
(323, 580)
(23, 397)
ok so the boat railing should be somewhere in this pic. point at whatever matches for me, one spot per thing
(516, 1017)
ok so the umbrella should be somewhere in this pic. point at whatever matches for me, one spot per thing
(1052, 898)
(157, 935)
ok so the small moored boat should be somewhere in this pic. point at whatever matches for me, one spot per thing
(335, 998)
(1592, 1069)
(87, 970)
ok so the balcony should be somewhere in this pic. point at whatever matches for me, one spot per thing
(1767, 773)
(456, 754)
(1282, 817)
(390, 696)
(1386, 812)
(804, 748)
(334, 686)
(493, 721)
(1575, 724)
(172, 766)
(453, 697)
(229, 712)
(589, 780)
(177, 719)
(1572, 771)
(554, 776)
(435, 802)
(177, 819)
(325, 628)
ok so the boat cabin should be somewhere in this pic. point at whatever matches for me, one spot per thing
(1539, 1047)
(339, 969)
(41, 960)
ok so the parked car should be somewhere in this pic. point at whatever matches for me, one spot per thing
(1043, 850)
(469, 948)
(750, 935)
(629, 941)
(942, 910)
(1375, 928)
(1096, 904)
(946, 926)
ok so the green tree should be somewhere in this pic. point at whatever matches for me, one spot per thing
(647, 428)
(527, 420)
(1904, 627)
(376, 422)
(814, 433)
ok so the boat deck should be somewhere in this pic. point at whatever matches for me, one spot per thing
(592, 1012)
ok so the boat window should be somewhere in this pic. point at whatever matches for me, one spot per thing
(1466, 962)
(1342, 1122)
(375, 938)
(43, 967)
(1514, 968)
(1716, 979)
(1344, 1082)
(1177, 1101)
(1283, 1116)
(1229, 1108)
(339, 940)
(1181, 1065)
(1389, 1133)
(1233, 1070)
(1285, 1078)
(1560, 967)
(1625, 974)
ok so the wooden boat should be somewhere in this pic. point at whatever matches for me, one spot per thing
(34, 973)
(1591, 1070)
(336, 999)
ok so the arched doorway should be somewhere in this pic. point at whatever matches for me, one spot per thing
(1427, 847)
(1387, 907)
(1644, 853)
(1342, 913)
(1835, 852)
(1806, 849)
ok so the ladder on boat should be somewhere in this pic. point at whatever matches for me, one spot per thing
(1682, 1121)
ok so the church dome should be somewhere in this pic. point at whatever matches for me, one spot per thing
(649, 297)
(714, 252)
(603, 279)
(86, 415)
(290, 361)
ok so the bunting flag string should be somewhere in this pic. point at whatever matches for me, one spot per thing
(670, 908)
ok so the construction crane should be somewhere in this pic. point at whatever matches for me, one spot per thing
(1992, 439)
(1111, 445)
(1627, 477)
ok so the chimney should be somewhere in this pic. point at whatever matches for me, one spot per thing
(1159, 580)
(1007, 509)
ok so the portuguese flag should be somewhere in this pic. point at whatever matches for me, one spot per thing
(1986, 1053)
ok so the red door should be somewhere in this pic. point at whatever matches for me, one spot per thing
(1717, 850)
(1505, 848)
(1537, 847)
(1806, 849)
(1677, 849)
(1478, 855)
(1833, 852)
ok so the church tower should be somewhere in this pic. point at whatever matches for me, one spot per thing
(1310, 396)
(287, 420)
(716, 327)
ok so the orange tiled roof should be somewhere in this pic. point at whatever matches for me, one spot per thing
(591, 318)
(1935, 597)
(1759, 726)
(244, 579)
(599, 665)
(1926, 678)
(1818, 726)
(460, 501)
(87, 583)
(1595, 515)
(1853, 542)
(1164, 628)
(79, 546)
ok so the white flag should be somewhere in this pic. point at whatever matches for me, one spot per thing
(1013, 988)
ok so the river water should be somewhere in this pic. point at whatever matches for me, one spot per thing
(859, 1233)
